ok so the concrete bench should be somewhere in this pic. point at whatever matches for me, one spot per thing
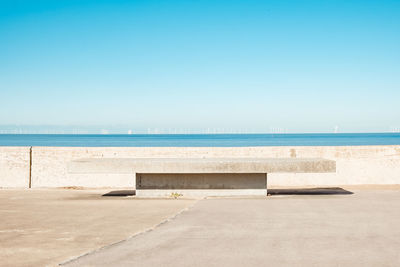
(201, 176)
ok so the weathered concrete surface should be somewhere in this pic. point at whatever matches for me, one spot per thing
(47, 227)
(318, 230)
(202, 181)
(185, 175)
(202, 165)
(201, 185)
(355, 165)
(14, 167)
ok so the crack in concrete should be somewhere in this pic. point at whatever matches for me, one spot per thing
(171, 218)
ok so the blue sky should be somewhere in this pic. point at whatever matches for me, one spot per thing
(302, 66)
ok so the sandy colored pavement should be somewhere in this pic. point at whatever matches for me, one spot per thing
(360, 229)
(48, 227)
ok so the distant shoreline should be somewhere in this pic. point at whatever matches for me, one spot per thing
(201, 133)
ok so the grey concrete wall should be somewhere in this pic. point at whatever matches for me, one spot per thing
(355, 164)
(49, 167)
(14, 167)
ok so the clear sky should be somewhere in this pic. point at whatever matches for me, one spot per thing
(303, 66)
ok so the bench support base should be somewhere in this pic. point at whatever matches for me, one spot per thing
(240, 181)
(200, 192)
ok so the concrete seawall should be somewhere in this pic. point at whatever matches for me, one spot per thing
(15, 167)
(24, 167)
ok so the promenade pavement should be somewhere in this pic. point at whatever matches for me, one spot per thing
(48, 227)
(360, 229)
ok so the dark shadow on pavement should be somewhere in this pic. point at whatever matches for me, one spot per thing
(310, 191)
(272, 192)
(120, 193)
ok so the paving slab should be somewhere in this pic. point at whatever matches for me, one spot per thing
(360, 229)
(48, 227)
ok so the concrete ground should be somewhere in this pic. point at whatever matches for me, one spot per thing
(360, 229)
(48, 227)
(311, 227)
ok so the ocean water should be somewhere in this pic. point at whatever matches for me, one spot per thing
(200, 140)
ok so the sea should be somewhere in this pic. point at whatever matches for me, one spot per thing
(199, 140)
